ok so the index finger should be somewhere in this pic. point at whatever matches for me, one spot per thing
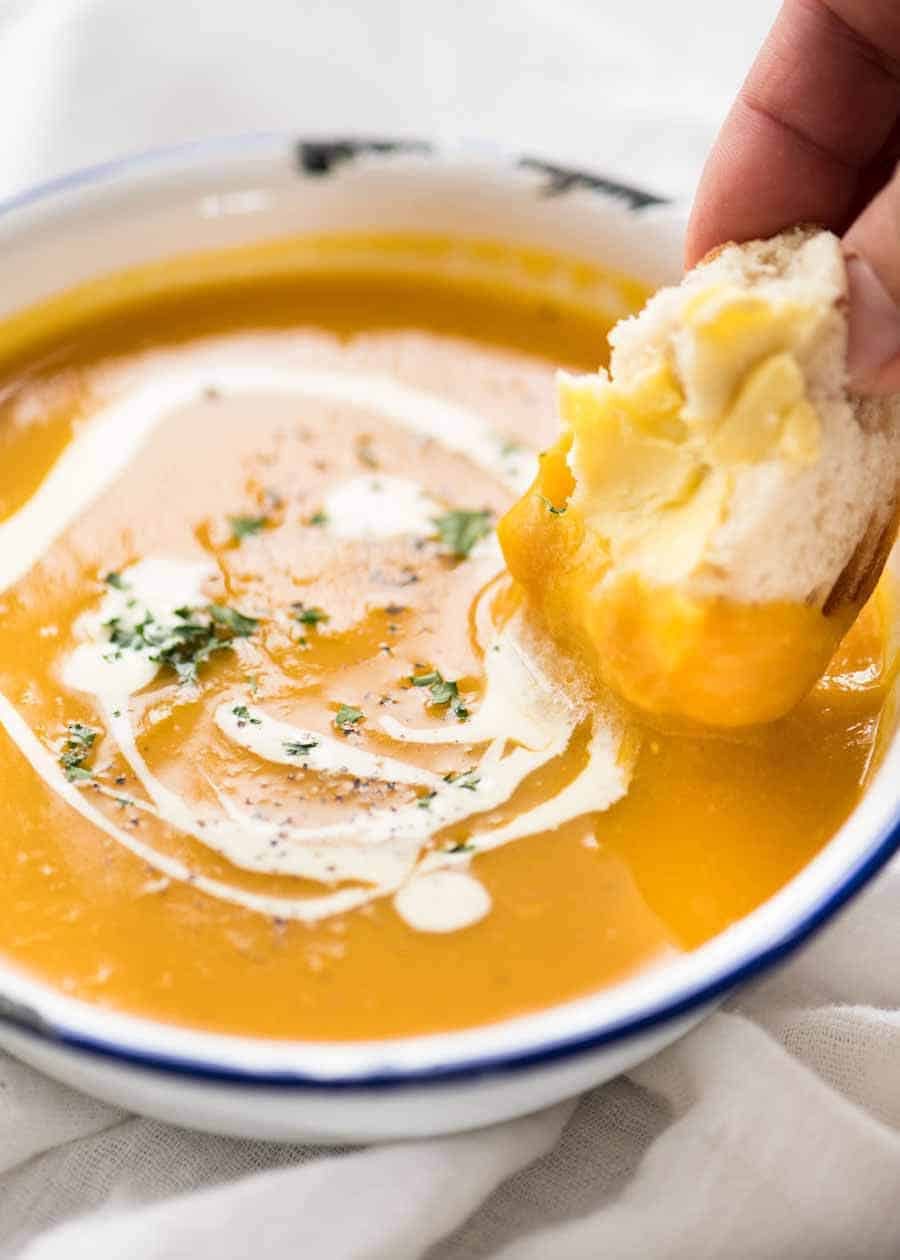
(819, 103)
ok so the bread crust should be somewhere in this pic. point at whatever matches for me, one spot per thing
(860, 576)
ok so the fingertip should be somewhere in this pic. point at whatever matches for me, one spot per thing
(697, 240)
(873, 330)
(885, 381)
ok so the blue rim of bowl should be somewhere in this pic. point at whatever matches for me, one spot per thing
(317, 158)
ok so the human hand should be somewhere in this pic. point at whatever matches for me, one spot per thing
(814, 137)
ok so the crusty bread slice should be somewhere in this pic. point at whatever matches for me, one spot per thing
(719, 505)
(818, 533)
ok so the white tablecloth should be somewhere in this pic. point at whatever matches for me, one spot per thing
(772, 1130)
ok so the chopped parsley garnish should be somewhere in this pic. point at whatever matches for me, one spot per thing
(188, 645)
(245, 526)
(76, 749)
(310, 616)
(240, 625)
(459, 531)
(123, 634)
(461, 846)
(426, 680)
(299, 747)
(318, 518)
(242, 713)
(116, 581)
(184, 644)
(463, 779)
(424, 802)
(551, 508)
(347, 717)
(443, 692)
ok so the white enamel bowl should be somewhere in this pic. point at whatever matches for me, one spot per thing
(230, 193)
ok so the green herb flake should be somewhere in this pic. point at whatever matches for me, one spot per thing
(183, 645)
(551, 508)
(459, 531)
(444, 692)
(187, 646)
(116, 581)
(461, 846)
(240, 625)
(347, 717)
(466, 779)
(424, 802)
(318, 518)
(242, 713)
(246, 526)
(426, 680)
(310, 616)
(80, 735)
(76, 750)
(299, 747)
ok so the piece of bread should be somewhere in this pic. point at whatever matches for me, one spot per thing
(719, 505)
(817, 534)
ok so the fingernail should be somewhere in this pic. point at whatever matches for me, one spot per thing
(873, 324)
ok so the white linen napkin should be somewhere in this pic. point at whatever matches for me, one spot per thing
(772, 1129)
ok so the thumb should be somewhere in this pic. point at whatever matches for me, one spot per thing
(872, 250)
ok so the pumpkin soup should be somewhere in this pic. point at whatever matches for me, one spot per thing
(284, 752)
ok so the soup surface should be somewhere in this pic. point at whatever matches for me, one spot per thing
(283, 753)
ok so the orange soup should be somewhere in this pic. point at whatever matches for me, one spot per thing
(283, 751)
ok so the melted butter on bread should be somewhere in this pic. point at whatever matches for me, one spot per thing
(706, 495)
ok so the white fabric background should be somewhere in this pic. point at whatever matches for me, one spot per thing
(770, 1131)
